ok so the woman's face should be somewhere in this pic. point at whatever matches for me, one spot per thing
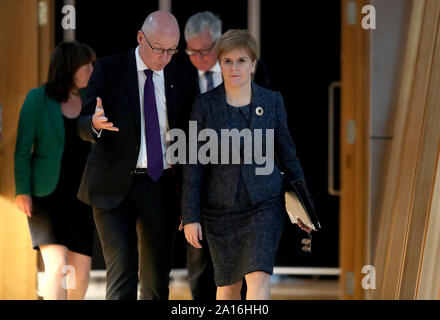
(237, 67)
(82, 75)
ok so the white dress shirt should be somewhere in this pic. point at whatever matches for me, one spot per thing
(216, 77)
(161, 103)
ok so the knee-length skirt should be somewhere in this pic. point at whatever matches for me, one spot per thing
(244, 241)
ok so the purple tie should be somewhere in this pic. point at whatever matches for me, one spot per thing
(152, 130)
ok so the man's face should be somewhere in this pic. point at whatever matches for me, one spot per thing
(203, 41)
(156, 61)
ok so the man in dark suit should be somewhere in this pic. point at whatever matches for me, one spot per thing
(202, 30)
(133, 99)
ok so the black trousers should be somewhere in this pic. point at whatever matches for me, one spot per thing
(200, 272)
(137, 239)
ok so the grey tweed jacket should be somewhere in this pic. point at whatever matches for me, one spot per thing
(215, 185)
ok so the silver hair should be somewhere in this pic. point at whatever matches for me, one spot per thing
(198, 22)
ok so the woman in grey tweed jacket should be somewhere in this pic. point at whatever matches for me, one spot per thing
(242, 212)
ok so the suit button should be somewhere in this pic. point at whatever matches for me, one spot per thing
(136, 148)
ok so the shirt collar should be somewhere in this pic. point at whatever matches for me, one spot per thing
(141, 66)
(215, 68)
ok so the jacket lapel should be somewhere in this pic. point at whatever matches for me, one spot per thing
(258, 101)
(170, 96)
(219, 108)
(132, 87)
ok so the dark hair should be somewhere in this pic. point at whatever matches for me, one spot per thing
(67, 58)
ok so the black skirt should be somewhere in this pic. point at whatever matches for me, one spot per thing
(68, 223)
(244, 241)
(60, 218)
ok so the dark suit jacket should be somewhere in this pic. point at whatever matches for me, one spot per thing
(107, 178)
(216, 184)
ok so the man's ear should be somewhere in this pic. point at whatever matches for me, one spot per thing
(139, 37)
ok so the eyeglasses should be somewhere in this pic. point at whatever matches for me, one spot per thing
(202, 52)
(307, 243)
(169, 52)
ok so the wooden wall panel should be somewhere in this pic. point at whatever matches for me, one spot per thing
(424, 182)
(406, 161)
(411, 167)
(392, 174)
(24, 52)
(46, 41)
(429, 282)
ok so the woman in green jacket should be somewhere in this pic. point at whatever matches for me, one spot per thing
(49, 160)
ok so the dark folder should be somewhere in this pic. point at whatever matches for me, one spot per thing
(299, 205)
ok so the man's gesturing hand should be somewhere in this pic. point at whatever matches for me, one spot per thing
(99, 120)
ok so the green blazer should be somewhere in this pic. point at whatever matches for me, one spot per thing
(40, 145)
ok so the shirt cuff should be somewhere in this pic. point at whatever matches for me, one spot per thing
(98, 134)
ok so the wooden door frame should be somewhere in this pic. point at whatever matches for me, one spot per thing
(354, 154)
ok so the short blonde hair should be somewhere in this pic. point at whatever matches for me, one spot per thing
(235, 39)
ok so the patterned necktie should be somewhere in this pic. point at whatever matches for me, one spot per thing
(152, 130)
(210, 81)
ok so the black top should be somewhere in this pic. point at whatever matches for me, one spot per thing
(73, 161)
(239, 119)
(239, 116)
